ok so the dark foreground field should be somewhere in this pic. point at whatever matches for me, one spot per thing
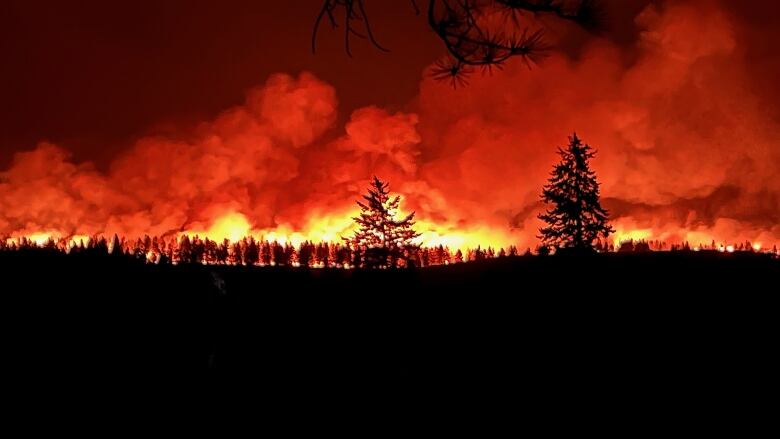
(707, 320)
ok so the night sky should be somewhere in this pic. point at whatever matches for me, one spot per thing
(94, 75)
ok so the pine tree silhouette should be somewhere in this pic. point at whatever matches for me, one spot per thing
(383, 238)
(185, 250)
(116, 246)
(458, 256)
(251, 252)
(576, 217)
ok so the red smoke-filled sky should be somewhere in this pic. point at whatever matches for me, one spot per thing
(150, 117)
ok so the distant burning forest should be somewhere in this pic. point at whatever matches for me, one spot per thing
(687, 158)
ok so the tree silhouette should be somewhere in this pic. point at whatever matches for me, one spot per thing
(185, 250)
(576, 217)
(383, 239)
(478, 34)
(116, 245)
(251, 252)
(458, 256)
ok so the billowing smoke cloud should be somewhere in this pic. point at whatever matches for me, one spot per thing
(243, 160)
(684, 144)
(686, 150)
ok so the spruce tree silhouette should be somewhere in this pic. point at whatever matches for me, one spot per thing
(116, 246)
(384, 240)
(576, 217)
(185, 250)
(252, 253)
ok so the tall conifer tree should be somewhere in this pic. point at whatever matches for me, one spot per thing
(575, 218)
(386, 240)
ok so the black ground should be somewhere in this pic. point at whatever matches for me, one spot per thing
(654, 320)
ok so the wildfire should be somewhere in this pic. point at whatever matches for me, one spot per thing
(695, 241)
(234, 226)
(622, 236)
(434, 235)
(40, 238)
(471, 162)
(319, 228)
(231, 226)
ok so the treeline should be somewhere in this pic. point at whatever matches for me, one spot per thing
(252, 252)
(641, 246)
(249, 251)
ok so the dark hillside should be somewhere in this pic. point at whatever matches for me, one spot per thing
(655, 318)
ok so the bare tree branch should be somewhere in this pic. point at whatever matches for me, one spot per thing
(354, 18)
(482, 34)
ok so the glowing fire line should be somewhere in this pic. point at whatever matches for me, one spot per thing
(235, 226)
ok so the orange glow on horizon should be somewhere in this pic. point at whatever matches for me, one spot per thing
(234, 226)
(332, 228)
